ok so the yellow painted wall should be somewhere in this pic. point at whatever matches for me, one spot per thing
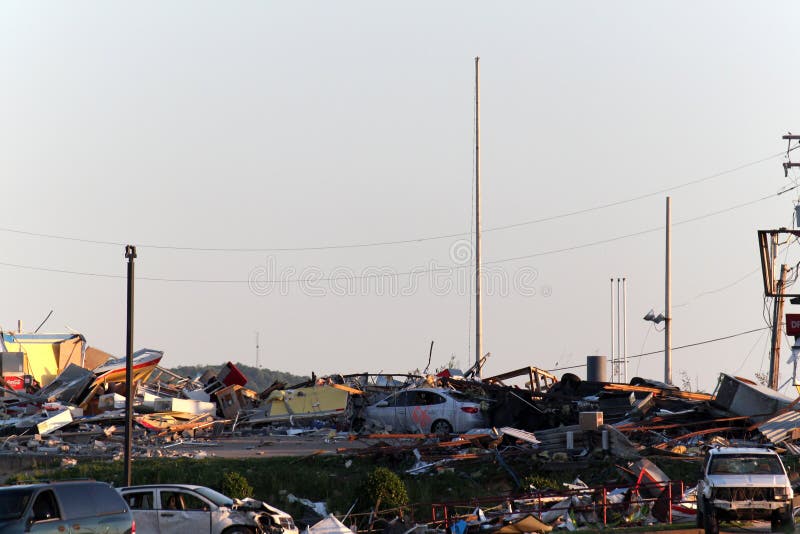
(307, 400)
(41, 359)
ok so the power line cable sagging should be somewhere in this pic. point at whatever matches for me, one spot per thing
(420, 239)
(696, 344)
(397, 274)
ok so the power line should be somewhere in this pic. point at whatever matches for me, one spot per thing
(400, 241)
(634, 234)
(642, 355)
(640, 197)
(719, 289)
(413, 272)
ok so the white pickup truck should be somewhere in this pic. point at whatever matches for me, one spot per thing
(744, 483)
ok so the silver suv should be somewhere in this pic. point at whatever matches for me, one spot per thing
(64, 507)
(744, 483)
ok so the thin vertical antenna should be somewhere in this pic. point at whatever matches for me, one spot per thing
(619, 331)
(625, 330)
(478, 320)
(612, 329)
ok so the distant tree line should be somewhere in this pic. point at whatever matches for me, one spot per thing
(258, 379)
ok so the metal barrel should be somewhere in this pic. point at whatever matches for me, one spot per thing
(596, 368)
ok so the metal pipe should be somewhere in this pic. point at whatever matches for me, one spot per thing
(612, 329)
(619, 332)
(625, 330)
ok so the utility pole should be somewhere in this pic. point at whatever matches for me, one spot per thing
(258, 362)
(130, 255)
(668, 303)
(478, 319)
(789, 164)
(777, 333)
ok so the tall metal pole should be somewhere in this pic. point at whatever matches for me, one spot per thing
(478, 319)
(130, 255)
(668, 303)
(777, 332)
(624, 330)
(612, 329)
(617, 372)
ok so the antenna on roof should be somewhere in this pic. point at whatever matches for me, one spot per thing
(42, 323)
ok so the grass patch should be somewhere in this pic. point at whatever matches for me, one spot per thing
(339, 480)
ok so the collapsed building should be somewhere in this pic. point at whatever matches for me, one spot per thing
(62, 397)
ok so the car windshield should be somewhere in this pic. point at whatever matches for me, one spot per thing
(215, 497)
(13, 502)
(745, 464)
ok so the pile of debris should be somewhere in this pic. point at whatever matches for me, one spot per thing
(62, 397)
(80, 408)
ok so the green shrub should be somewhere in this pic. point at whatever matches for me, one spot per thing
(236, 486)
(385, 485)
(540, 482)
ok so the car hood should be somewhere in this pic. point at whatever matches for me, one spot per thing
(255, 508)
(747, 481)
(254, 505)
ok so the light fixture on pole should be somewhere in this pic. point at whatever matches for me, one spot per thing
(653, 318)
(793, 359)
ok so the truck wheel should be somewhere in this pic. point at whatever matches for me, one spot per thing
(710, 520)
(785, 521)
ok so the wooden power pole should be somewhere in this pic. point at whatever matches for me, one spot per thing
(777, 332)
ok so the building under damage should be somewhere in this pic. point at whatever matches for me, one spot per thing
(62, 397)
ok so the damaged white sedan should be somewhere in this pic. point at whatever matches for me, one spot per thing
(177, 508)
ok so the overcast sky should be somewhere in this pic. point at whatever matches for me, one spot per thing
(183, 126)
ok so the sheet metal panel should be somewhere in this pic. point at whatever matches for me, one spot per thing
(780, 427)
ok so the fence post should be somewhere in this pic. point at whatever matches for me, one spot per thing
(669, 502)
(539, 495)
(605, 519)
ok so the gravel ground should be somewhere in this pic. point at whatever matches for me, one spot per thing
(270, 445)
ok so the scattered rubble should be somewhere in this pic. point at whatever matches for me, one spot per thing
(71, 404)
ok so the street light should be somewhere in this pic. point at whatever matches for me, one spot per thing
(793, 359)
(650, 316)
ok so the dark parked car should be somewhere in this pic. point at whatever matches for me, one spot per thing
(63, 508)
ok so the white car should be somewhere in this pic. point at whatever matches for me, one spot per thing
(434, 410)
(179, 508)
